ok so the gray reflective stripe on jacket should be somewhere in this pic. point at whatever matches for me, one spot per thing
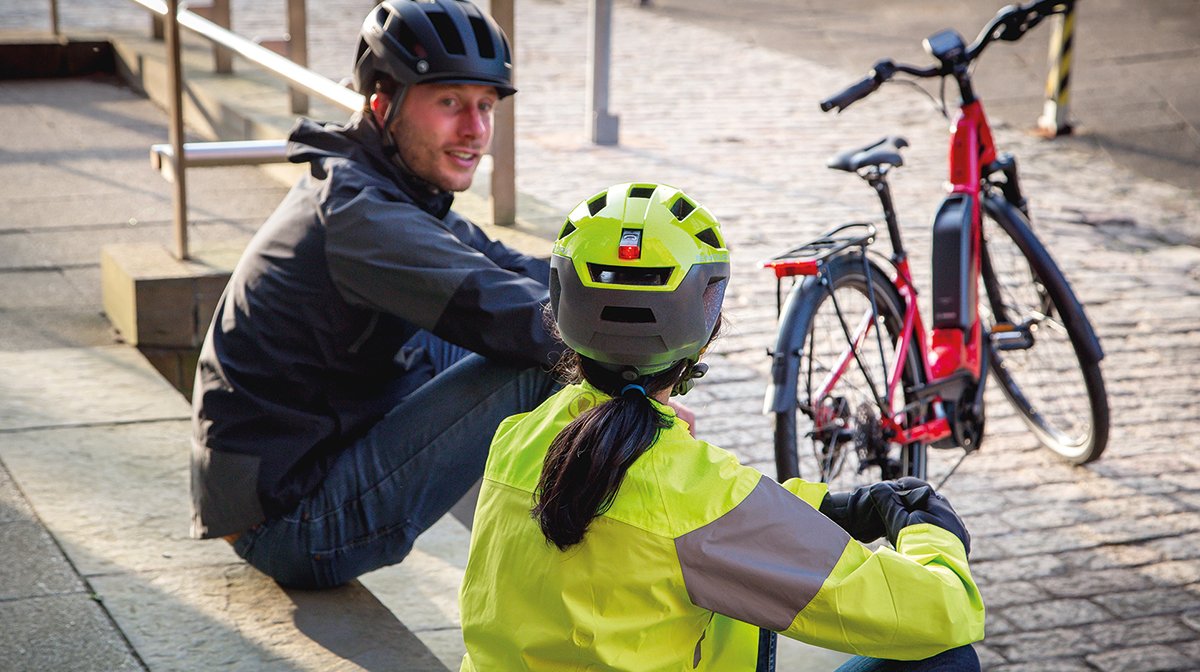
(764, 560)
(300, 356)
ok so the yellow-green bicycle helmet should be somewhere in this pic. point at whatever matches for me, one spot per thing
(637, 277)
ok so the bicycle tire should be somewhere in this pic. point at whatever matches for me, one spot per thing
(814, 335)
(1052, 376)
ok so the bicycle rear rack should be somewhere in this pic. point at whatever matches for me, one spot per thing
(809, 258)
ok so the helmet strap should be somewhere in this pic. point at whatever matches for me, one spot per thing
(390, 150)
(389, 117)
(687, 381)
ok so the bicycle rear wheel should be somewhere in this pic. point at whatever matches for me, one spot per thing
(840, 390)
(1041, 349)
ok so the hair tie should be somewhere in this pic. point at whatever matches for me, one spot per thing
(632, 386)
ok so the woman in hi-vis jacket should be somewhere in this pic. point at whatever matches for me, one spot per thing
(606, 537)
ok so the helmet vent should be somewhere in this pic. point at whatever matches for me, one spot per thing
(406, 37)
(627, 314)
(630, 275)
(709, 237)
(483, 39)
(567, 230)
(598, 204)
(681, 208)
(641, 192)
(447, 33)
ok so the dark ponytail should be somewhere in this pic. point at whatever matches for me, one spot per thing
(587, 460)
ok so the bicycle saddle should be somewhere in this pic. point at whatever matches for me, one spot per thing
(882, 152)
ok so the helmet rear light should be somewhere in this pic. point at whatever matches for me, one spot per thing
(630, 247)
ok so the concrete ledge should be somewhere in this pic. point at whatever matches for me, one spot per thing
(156, 300)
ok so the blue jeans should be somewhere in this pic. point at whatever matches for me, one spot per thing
(401, 477)
(962, 659)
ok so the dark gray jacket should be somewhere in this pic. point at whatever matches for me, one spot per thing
(300, 358)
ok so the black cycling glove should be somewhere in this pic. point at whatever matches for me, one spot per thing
(855, 513)
(911, 501)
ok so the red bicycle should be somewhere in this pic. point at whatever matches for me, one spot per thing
(858, 382)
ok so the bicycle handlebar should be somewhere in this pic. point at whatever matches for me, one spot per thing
(855, 92)
(883, 71)
(1012, 22)
(1009, 25)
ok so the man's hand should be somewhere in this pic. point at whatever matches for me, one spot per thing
(684, 413)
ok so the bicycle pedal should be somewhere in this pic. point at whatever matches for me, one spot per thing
(1011, 338)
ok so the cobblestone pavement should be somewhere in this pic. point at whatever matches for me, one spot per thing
(1082, 568)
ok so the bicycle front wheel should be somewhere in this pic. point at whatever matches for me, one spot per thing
(845, 340)
(1041, 349)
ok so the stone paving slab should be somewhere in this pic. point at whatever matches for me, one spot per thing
(54, 327)
(112, 487)
(70, 386)
(52, 621)
(62, 632)
(34, 566)
(232, 617)
(439, 559)
(115, 495)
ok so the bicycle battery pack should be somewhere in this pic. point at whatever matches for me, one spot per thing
(952, 305)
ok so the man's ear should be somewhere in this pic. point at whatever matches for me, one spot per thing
(379, 105)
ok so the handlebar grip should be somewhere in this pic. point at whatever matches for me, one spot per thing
(857, 91)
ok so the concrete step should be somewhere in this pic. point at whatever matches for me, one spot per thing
(98, 444)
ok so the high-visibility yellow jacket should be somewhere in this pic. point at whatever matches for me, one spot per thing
(695, 551)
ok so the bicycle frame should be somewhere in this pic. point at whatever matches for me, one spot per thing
(952, 351)
(959, 347)
(951, 356)
(912, 331)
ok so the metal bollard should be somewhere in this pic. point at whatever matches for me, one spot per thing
(603, 128)
(1056, 110)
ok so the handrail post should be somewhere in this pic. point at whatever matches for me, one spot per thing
(603, 128)
(223, 17)
(175, 85)
(54, 30)
(504, 135)
(297, 21)
(1055, 119)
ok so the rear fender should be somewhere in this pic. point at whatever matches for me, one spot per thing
(785, 358)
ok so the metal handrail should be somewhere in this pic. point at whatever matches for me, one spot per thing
(257, 54)
(174, 158)
(228, 153)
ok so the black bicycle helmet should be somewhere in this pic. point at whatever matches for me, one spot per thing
(637, 278)
(420, 41)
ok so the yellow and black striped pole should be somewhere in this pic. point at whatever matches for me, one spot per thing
(1054, 120)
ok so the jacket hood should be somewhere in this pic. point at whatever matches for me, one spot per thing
(359, 141)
